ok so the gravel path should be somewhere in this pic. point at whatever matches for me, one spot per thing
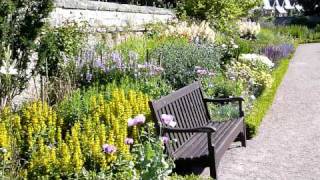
(288, 143)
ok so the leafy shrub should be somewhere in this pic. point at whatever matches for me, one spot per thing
(144, 44)
(220, 86)
(217, 12)
(255, 78)
(300, 32)
(311, 7)
(180, 62)
(266, 37)
(262, 104)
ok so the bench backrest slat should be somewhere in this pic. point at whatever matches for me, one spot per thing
(189, 111)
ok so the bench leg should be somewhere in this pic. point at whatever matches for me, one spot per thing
(243, 136)
(213, 171)
(213, 166)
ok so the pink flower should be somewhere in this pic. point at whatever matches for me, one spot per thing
(164, 139)
(201, 72)
(128, 141)
(109, 149)
(131, 122)
(168, 120)
(140, 119)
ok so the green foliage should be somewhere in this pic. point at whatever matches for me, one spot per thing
(300, 33)
(51, 147)
(144, 44)
(151, 161)
(20, 24)
(266, 37)
(220, 86)
(58, 45)
(218, 12)
(263, 103)
(180, 61)
(223, 112)
(311, 7)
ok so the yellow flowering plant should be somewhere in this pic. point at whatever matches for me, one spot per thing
(54, 148)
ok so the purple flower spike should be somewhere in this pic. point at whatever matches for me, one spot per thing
(128, 141)
(164, 139)
(140, 119)
(109, 149)
(131, 122)
(168, 120)
(116, 58)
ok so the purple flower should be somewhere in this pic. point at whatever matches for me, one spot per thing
(131, 122)
(164, 139)
(128, 141)
(109, 149)
(277, 52)
(116, 58)
(168, 120)
(201, 72)
(140, 119)
(98, 64)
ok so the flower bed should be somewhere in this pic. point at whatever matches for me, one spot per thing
(94, 120)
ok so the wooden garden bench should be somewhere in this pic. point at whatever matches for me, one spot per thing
(198, 139)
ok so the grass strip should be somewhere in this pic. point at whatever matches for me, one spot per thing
(264, 102)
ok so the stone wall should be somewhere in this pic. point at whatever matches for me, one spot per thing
(114, 22)
(107, 14)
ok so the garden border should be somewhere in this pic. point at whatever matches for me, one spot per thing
(264, 102)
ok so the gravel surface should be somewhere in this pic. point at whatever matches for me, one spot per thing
(288, 143)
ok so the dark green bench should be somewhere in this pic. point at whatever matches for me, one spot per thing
(198, 139)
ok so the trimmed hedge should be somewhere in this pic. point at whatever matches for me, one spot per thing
(264, 102)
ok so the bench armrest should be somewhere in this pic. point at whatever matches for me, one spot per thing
(206, 129)
(227, 100)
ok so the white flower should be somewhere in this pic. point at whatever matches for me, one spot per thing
(257, 58)
(235, 46)
(249, 28)
(3, 150)
(7, 68)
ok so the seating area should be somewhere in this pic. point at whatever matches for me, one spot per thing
(199, 138)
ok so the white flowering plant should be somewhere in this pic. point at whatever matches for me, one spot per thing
(197, 33)
(255, 78)
(8, 74)
(248, 29)
(257, 60)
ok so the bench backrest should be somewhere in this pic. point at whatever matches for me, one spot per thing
(189, 111)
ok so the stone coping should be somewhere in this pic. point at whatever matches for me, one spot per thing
(107, 6)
